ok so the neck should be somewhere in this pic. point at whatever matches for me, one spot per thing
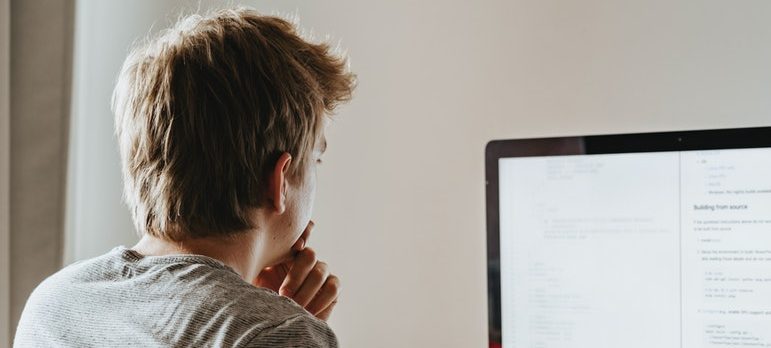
(237, 251)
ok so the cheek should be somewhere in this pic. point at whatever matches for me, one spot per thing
(311, 193)
(303, 204)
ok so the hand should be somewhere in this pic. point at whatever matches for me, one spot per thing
(304, 279)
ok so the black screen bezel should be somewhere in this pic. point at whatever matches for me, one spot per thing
(736, 138)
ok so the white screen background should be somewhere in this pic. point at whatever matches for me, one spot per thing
(603, 250)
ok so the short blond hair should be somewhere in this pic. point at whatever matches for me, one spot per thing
(204, 110)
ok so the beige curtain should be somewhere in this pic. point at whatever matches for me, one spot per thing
(40, 61)
(5, 144)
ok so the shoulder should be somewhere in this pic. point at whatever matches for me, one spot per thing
(200, 300)
(248, 301)
(264, 318)
(302, 330)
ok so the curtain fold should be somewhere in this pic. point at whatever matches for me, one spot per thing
(5, 132)
(40, 80)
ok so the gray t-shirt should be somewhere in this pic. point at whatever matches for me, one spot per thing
(124, 299)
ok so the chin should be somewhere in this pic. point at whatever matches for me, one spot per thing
(285, 256)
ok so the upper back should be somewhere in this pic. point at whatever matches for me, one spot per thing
(124, 299)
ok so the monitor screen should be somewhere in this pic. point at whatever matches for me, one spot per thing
(640, 249)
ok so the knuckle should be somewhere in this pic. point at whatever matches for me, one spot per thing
(333, 283)
(335, 291)
(322, 266)
(320, 271)
(334, 280)
(309, 254)
(286, 289)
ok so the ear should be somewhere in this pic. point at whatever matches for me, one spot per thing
(277, 183)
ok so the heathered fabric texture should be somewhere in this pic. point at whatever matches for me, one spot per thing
(122, 299)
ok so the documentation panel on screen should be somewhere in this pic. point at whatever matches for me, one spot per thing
(659, 249)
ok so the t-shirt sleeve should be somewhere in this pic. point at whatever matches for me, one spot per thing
(302, 331)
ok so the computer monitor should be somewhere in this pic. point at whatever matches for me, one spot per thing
(638, 240)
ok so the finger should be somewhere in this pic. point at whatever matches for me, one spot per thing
(303, 240)
(326, 296)
(312, 284)
(308, 229)
(301, 266)
(272, 277)
(283, 268)
(326, 313)
(267, 278)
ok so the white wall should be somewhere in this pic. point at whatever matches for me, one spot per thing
(400, 209)
(5, 170)
(95, 219)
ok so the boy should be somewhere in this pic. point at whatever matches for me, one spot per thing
(220, 124)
